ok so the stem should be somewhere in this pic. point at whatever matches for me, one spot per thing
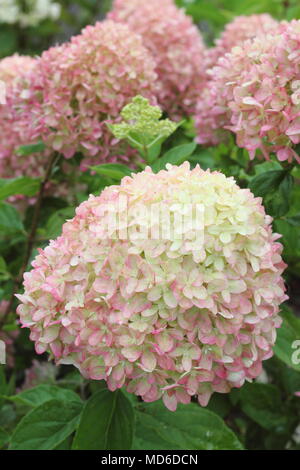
(134, 142)
(32, 234)
(36, 214)
(250, 166)
(155, 141)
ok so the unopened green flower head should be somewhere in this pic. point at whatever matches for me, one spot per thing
(142, 120)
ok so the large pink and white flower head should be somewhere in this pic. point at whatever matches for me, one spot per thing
(15, 72)
(176, 45)
(168, 314)
(16, 121)
(238, 31)
(255, 93)
(83, 85)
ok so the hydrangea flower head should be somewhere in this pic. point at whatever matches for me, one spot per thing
(164, 316)
(15, 119)
(254, 92)
(238, 31)
(83, 85)
(176, 45)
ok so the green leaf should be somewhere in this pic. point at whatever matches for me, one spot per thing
(8, 40)
(154, 150)
(206, 11)
(266, 182)
(285, 376)
(46, 426)
(275, 187)
(290, 379)
(24, 185)
(263, 404)
(3, 267)
(26, 150)
(65, 445)
(116, 171)
(56, 221)
(293, 13)
(42, 393)
(287, 335)
(290, 239)
(278, 203)
(107, 423)
(219, 404)
(189, 428)
(7, 415)
(204, 158)
(4, 437)
(3, 382)
(269, 165)
(294, 220)
(4, 273)
(3, 385)
(175, 156)
(10, 220)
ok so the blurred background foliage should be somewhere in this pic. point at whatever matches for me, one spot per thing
(69, 18)
(210, 16)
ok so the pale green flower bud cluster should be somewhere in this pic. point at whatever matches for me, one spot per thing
(142, 124)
